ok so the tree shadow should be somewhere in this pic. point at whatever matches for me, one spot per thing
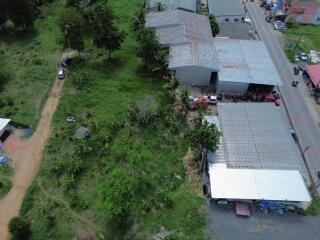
(105, 65)
(11, 35)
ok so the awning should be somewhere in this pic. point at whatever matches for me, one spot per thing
(314, 73)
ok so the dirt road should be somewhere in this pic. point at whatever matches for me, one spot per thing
(26, 160)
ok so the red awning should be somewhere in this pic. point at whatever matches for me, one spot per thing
(314, 73)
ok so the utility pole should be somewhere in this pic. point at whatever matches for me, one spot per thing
(295, 48)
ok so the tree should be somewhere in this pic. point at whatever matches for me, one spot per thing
(21, 12)
(105, 33)
(120, 193)
(80, 79)
(172, 86)
(154, 56)
(214, 25)
(138, 20)
(3, 13)
(71, 25)
(204, 137)
(20, 228)
(161, 63)
(160, 7)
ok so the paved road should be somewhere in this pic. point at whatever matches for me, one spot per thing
(225, 225)
(302, 120)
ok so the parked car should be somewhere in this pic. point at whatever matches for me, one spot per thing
(61, 73)
(278, 25)
(212, 99)
(303, 56)
(294, 83)
(296, 70)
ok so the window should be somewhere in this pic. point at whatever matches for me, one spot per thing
(236, 20)
(226, 19)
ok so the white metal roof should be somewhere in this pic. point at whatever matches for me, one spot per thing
(253, 184)
(3, 123)
(245, 61)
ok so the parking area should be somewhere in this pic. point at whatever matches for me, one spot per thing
(225, 225)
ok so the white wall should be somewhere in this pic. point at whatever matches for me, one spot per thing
(193, 76)
(232, 87)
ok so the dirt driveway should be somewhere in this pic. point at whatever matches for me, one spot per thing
(26, 160)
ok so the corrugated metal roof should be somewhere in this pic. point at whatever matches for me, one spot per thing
(201, 54)
(245, 61)
(254, 135)
(272, 185)
(190, 5)
(225, 8)
(174, 26)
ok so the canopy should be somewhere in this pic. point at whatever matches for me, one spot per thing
(314, 73)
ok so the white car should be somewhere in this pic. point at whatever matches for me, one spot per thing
(61, 73)
(303, 56)
(212, 99)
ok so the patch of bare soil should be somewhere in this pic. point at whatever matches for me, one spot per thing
(27, 156)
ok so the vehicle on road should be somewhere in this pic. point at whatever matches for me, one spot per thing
(303, 56)
(296, 70)
(61, 73)
(268, 18)
(294, 83)
(293, 134)
(278, 25)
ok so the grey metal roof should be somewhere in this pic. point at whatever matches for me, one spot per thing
(195, 53)
(190, 5)
(234, 30)
(254, 135)
(245, 61)
(225, 8)
(176, 25)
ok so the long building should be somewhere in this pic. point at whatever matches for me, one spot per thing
(257, 158)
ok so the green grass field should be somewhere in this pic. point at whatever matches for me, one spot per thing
(63, 206)
(309, 41)
(5, 182)
(30, 57)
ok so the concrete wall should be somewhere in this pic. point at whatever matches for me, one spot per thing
(232, 87)
(193, 76)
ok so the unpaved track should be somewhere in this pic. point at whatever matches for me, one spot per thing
(26, 161)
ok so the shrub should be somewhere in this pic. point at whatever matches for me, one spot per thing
(5, 186)
(20, 228)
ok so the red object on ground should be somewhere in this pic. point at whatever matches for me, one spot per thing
(243, 210)
(314, 73)
(270, 98)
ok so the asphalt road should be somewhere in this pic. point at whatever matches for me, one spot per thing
(305, 126)
(225, 225)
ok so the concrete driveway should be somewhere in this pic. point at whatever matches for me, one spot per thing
(225, 225)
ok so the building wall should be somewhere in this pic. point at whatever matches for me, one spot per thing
(7, 127)
(229, 19)
(232, 87)
(193, 76)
